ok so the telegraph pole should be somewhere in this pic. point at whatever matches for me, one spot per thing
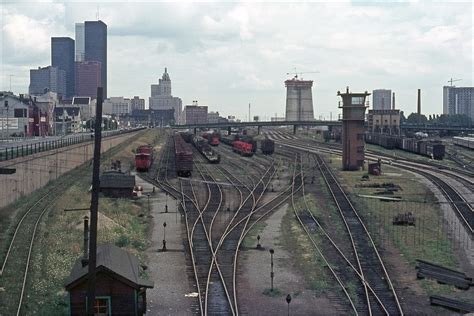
(94, 205)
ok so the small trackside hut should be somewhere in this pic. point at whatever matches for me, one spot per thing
(119, 290)
(116, 184)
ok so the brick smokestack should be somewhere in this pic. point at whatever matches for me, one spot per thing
(393, 101)
(85, 260)
(419, 101)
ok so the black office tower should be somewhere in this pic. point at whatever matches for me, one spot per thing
(62, 57)
(95, 47)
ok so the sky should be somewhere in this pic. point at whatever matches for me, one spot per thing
(229, 54)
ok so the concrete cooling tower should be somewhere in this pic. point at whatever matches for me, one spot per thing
(299, 100)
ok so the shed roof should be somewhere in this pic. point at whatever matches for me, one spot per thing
(117, 180)
(112, 260)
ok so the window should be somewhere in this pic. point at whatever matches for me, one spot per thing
(102, 306)
(357, 100)
(20, 112)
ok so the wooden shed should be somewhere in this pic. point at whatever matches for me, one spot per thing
(119, 290)
(117, 184)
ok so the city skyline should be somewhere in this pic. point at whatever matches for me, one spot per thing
(232, 54)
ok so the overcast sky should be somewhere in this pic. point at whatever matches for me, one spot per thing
(227, 55)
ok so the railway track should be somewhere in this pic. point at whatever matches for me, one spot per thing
(372, 268)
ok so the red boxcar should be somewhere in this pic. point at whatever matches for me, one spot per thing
(144, 157)
(244, 149)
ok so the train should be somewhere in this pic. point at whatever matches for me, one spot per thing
(434, 149)
(267, 146)
(242, 148)
(202, 145)
(183, 157)
(467, 142)
(143, 158)
(213, 138)
(231, 139)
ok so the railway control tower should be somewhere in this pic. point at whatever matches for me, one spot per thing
(353, 116)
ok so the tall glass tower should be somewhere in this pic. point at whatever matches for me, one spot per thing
(95, 47)
(62, 57)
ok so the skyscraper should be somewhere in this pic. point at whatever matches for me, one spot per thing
(382, 99)
(80, 42)
(47, 79)
(161, 98)
(458, 100)
(62, 57)
(87, 78)
(95, 47)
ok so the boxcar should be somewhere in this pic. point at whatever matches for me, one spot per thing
(267, 146)
(435, 150)
(184, 157)
(142, 162)
(467, 142)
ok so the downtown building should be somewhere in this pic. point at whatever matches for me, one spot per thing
(137, 104)
(88, 78)
(62, 57)
(46, 79)
(195, 114)
(91, 46)
(458, 100)
(162, 99)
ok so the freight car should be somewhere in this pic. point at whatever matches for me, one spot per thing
(243, 148)
(187, 136)
(430, 148)
(203, 147)
(212, 138)
(267, 146)
(467, 142)
(184, 157)
(228, 140)
(143, 158)
(249, 140)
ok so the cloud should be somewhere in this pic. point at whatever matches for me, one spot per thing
(229, 54)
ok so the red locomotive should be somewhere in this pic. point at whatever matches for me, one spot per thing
(244, 149)
(212, 138)
(144, 158)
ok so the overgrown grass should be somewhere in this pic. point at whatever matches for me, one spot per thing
(426, 240)
(123, 222)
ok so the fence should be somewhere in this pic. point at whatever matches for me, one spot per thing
(13, 152)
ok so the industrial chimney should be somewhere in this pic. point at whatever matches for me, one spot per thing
(419, 102)
(85, 260)
(393, 101)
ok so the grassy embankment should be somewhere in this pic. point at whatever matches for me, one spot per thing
(426, 240)
(123, 222)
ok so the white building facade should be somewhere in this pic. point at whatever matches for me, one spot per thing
(116, 106)
(382, 99)
(162, 99)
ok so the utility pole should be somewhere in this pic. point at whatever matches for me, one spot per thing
(11, 81)
(250, 120)
(94, 205)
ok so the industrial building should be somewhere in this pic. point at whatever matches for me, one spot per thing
(458, 100)
(384, 121)
(13, 115)
(353, 131)
(116, 106)
(195, 114)
(299, 100)
(382, 99)
(162, 99)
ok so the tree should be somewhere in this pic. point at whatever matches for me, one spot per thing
(415, 118)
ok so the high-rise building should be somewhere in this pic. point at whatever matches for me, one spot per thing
(95, 47)
(161, 98)
(88, 78)
(382, 99)
(458, 100)
(137, 104)
(62, 57)
(47, 79)
(80, 42)
(299, 100)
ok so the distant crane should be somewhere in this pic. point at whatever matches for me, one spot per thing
(453, 80)
(300, 73)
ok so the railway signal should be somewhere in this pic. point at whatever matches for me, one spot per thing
(258, 242)
(272, 274)
(164, 237)
(288, 300)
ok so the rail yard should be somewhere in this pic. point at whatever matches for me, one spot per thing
(264, 225)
